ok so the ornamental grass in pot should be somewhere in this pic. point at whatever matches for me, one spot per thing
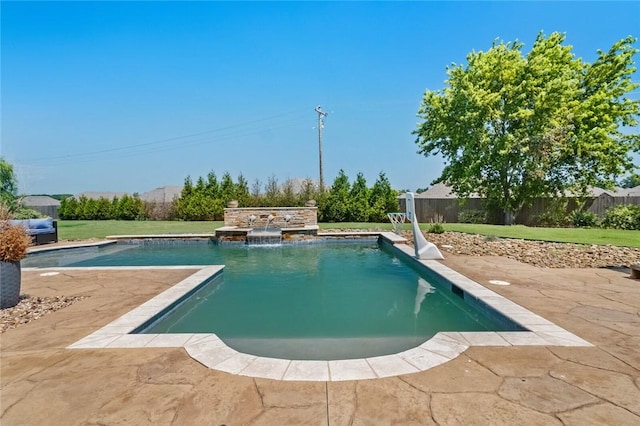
(14, 242)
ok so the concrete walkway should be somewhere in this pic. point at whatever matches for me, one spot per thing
(42, 383)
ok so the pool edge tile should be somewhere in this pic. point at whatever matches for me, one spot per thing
(391, 366)
(175, 340)
(266, 368)
(444, 346)
(212, 357)
(94, 341)
(422, 359)
(522, 338)
(484, 338)
(350, 369)
(236, 363)
(307, 371)
(131, 341)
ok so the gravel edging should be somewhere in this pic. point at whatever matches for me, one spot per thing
(538, 253)
(30, 308)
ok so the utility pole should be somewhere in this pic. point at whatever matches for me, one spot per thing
(321, 115)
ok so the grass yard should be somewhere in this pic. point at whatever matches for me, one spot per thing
(616, 237)
(88, 229)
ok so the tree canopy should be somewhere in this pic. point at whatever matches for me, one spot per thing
(630, 181)
(346, 202)
(8, 184)
(514, 127)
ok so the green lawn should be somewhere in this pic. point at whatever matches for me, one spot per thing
(87, 229)
(614, 237)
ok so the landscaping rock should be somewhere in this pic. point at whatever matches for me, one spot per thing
(537, 253)
(31, 308)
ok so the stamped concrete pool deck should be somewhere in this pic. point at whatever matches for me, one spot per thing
(44, 382)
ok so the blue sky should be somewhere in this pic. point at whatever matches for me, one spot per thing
(130, 96)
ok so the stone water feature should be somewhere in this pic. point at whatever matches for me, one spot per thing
(268, 225)
(258, 236)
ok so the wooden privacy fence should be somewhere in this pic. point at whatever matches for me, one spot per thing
(51, 211)
(600, 204)
(448, 209)
(441, 209)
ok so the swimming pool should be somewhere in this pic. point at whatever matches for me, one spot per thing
(210, 351)
(320, 301)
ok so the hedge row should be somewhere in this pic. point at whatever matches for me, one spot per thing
(207, 197)
(83, 208)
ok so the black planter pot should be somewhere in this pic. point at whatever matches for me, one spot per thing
(9, 284)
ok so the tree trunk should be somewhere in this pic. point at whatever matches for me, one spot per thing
(509, 217)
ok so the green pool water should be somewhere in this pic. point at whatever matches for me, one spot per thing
(310, 301)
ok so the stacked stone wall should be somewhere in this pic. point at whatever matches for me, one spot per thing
(299, 217)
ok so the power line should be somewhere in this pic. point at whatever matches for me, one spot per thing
(154, 145)
(218, 139)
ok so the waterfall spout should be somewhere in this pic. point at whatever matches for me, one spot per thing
(269, 219)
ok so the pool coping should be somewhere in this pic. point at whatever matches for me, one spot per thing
(212, 352)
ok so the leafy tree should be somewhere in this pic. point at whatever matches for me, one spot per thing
(201, 186)
(271, 191)
(212, 187)
(359, 200)
(622, 216)
(68, 209)
(256, 191)
(128, 208)
(514, 128)
(308, 191)
(198, 207)
(227, 188)
(630, 181)
(287, 194)
(26, 213)
(187, 188)
(103, 209)
(89, 208)
(342, 202)
(336, 205)
(382, 199)
(204, 200)
(242, 191)
(8, 185)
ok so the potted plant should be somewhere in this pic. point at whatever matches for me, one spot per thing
(14, 242)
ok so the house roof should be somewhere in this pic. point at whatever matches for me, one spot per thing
(442, 191)
(595, 192)
(439, 191)
(96, 195)
(39, 200)
(164, 194)
(632, 192)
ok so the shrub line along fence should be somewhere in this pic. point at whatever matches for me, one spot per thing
(448, 210)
